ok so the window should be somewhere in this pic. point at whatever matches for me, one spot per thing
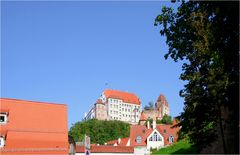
(171, 139)
(164, 131)
(139, 139)
(1, 142)
(3, 118)
(150, 139)
(155, 137)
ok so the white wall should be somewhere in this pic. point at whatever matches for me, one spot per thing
(140, 150)
(106, 154)
(155, 144)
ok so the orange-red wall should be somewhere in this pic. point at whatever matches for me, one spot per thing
(34, 127)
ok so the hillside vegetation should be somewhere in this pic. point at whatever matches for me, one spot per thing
(99, 131)
(181, 147)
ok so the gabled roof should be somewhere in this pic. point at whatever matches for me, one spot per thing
(125, 96)
(141, 131)
(107, 149)
(169, 131)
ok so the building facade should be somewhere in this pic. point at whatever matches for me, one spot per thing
(161, 108)
(116, 105)
(28, 127)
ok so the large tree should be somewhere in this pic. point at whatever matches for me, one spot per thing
(99, 131)
(205, 35)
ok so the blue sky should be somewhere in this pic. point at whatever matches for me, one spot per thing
(65, 52)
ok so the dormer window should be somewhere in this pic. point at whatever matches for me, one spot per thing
(171, 139)
(155, 137)
(2, 142)
(3, 118)
(139, 139)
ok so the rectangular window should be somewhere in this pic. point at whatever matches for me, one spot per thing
(3, 118)
(1, 142)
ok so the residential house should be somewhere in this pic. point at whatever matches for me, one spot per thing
(29, 127)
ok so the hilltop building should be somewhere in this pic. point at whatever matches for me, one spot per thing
(116, 105)
(161, 108)
(28, 127)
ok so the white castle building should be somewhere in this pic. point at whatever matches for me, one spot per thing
(116, 105)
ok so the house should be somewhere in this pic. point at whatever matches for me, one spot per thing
(29, 127)
(116, 105)
(145, 137)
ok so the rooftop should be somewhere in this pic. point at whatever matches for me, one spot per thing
(125, 96)
(107, 149)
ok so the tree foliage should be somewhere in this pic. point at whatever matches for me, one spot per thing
(99, 131)
(205, 35)
(166, 120)
(149, 106)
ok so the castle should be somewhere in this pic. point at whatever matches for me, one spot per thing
(116, 105)
(161, 108)
(125, 106)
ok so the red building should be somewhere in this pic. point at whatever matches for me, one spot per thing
(28, 127)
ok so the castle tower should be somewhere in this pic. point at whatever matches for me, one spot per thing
(162, 106)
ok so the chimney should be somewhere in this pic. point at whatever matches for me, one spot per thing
(148, 125)
(154, 124)
(119, 140)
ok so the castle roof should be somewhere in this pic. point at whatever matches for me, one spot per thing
(162, 98)
(125, 96)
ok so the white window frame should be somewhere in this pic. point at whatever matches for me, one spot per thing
(2, 142)
(5, 118)
(171, 139)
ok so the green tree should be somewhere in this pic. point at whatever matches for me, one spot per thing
(99, 131)
(206, 36)
(149, 106)
(166, 119)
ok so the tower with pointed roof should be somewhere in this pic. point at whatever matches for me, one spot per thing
(162, 106)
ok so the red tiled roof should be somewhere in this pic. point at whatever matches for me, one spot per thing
(112, 142)
(123, 142)
(143, 117)
(107, 149)
(139, 130)
(170, 130)
(125, 96)
(143, 132)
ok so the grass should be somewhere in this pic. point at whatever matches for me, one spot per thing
(181, 147)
